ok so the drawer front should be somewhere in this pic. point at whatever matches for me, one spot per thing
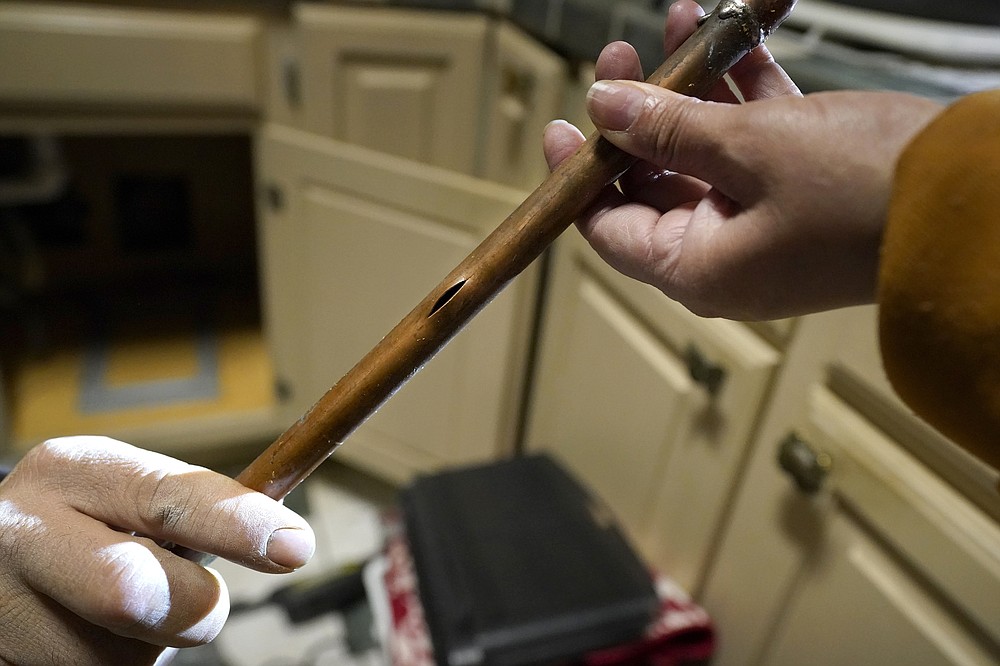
(107, 56)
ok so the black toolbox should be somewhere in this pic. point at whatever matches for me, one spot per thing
(517, 563)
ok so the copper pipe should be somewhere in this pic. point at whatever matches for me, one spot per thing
(724, 36)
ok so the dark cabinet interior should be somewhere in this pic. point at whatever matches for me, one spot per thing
(130, 283)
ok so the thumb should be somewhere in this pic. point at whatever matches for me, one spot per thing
(670, 130)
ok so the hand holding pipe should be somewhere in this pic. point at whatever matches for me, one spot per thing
(724, 36)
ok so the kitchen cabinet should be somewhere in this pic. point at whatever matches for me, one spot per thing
(648, 404)
(411, 85)
(351, 239)
(889, 555)
(651, 406)
(149, 192)
(388, 142)
(877, 543)
(459, 91)
(430, 98)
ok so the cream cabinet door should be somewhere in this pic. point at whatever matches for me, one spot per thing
(351, 240)
(649, 405)
(524, 89)
(903, 569)
(403, 82)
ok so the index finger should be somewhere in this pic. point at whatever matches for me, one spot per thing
(162, 498)
(682, 21)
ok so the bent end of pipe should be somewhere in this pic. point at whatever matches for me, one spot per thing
(769, 13)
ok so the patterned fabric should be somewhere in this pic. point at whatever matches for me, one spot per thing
(409, 640)
(682, 633)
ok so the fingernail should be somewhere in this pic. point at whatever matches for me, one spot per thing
(290, 547)
(614, 106)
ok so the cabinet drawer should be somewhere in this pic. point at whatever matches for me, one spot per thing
(55, 54)
(893, 533)
(855, 374)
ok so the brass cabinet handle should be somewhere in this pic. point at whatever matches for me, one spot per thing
(291, 82)
(703, 371)
(807, 466)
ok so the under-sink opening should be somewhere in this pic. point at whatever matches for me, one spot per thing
(129, 290)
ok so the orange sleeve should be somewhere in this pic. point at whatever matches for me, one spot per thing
(939, 278)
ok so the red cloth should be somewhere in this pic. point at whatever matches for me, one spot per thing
(681, 633)
(409, 639)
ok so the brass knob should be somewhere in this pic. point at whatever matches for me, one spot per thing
(807, 467)
(291, 80)
(274, 197)
(703, 371)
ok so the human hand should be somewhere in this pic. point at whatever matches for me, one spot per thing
(751, 211)
(76, 587)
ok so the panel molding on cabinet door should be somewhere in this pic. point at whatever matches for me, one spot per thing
(857, 376)
(697, 487)
(362, 238)
(859, 605)
(402, 82)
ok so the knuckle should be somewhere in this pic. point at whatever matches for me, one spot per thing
(698, 137)
(17, 533)
(667, 122)
(59, 449)
(166, 502)
(69, 470)
(20, 531)
(48, 452)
